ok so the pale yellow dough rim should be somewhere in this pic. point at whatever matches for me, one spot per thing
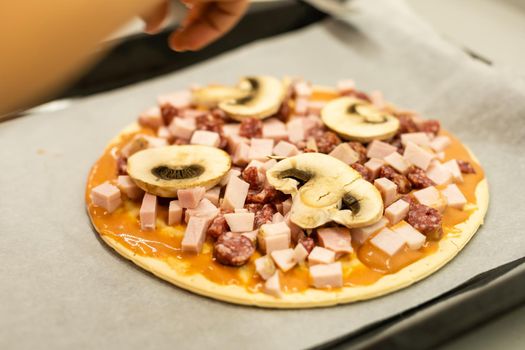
(448, 248)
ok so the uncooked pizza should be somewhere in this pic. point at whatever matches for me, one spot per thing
(280, 193)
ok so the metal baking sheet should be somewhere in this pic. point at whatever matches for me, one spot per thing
(62, 287)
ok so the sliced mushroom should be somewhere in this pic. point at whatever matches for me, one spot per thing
(325, 189)
(355, 119)
(164, 170)
(263, 100)
(211, 96)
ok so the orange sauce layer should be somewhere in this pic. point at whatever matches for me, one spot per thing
(364, 267)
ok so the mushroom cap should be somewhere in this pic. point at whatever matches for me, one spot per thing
(355, 119)
(318, 183)
(211, 96)
(164, 170)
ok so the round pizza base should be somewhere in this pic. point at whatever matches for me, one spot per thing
(449, 246)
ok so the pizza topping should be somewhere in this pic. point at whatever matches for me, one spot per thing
(455, 198)
(406, 122)
(235, 193)
(164, 170)
(284, 259)
(273, 285)
(129, 188)
(465, 167)
(379, 149)
(151, 118)
(413, 239)
(174, 213)
(274, 237)
(397, 162)
(106, 196)
(327, 276)
(430, 126)
(182, 128)
(285, 149)
(362, 170)
(218, 226)
(205, 138)
(148, 212)
(388, 190)
(212, 95)
(320, 255)
(195, 234)
(426, 220)
(401, 181)
(439, 174)
(453, 167)
(419, 138)
(431, 197)
(190, 197)
(361, 234)
(337, 239)
(373, 166)
(213, 195)
(440, 143)
(265, 267)
(308, 243)
(326, 142)
(418, 178)
(345, 153)
(209, 122)
(263, 213)
(240, 222)
(264, 196)
(204, 209)
(141, 142)
(251, 127)
(388, 241)
(355, 119)
(360, 149)
(233, 249)
(397, 211)
(417, 156)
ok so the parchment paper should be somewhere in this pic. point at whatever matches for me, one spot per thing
(62, 288)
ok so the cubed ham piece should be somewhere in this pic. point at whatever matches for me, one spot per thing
(240, 222)
(231, 129)
(397, 211)
(130, 189)
(213, 195)
(284, 259)
(439, 174)
(277, 217)
(183, 127)
(148, 212)
(388, 190)
(413, 238)
(361, 234)
(453, 167)
(274, 129)
(272, 286)
(206, 138)
(431, 197)
(345, 153)
(192, 113)
(178, 99)
(388, 241)
(287, 205)
(440, 143)
(265, 267)
(315, 107)
(251, 235)
(439, 155)
(295, 128)
(230, 175)
(327, 276)
(320, 255)
(374, 166)
(302, 89)
(285, 149)
(235, 193)
(455, 198)
(151, 118)
(205, 208)
(295, 231)
(337, 239)
(190, 197)
(174, 213)
(163, 132)
(398, 162)
(274, 237)
(377, 98)
(379, 149)
(301, 106)
(106, 196)
(417, 156)
(234, 141)
(345, 86)
(141, 142)
(268, 164)
(312, 123)
(300, 253)
(195, 234)
(260, 149)
(240, 210)
(419, 138)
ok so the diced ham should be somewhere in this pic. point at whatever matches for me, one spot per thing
(413, 238)
(377, 98)
(205, 208)
(195, 234)
(235, 193)
(440, 155)
(419, 138)
(163, 132)
(265, 267)
(301, 106)
(397, 211)
(240, 222)
(148, 212)
(240, 210)
(388, 241)
(455, 198)
(296, 231)
(285, 149)
(440, 143)
(337, 239)
(361, 234)
(398, 162)
(130, 189)
(321, 255)
(287, 205)
(453, 167)
(231, 129)
(295, 130)
(273, 286)
(302, 89)
(300, 253)
(345, 153)
(206, 138)
(141, 142)
(251, 235)
(190, 197)
(274, 129)
(439, 174)
(379, 149)
(178, 99)
(315, 107)
(268, 164)
(183, 127)
(213, 195)
(234, 141)
(284, 259)
(417, 156)
(345, 86)
(274, 237)
(431, 197)
(106, 196)
(327, 276)
(174, 213)
(192, 113)
(277, 217)
(260, 149)
(388, 190)
(151, 118)
(374, 166)
(229, 175)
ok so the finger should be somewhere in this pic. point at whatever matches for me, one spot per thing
(206, 22)
(155, 18)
